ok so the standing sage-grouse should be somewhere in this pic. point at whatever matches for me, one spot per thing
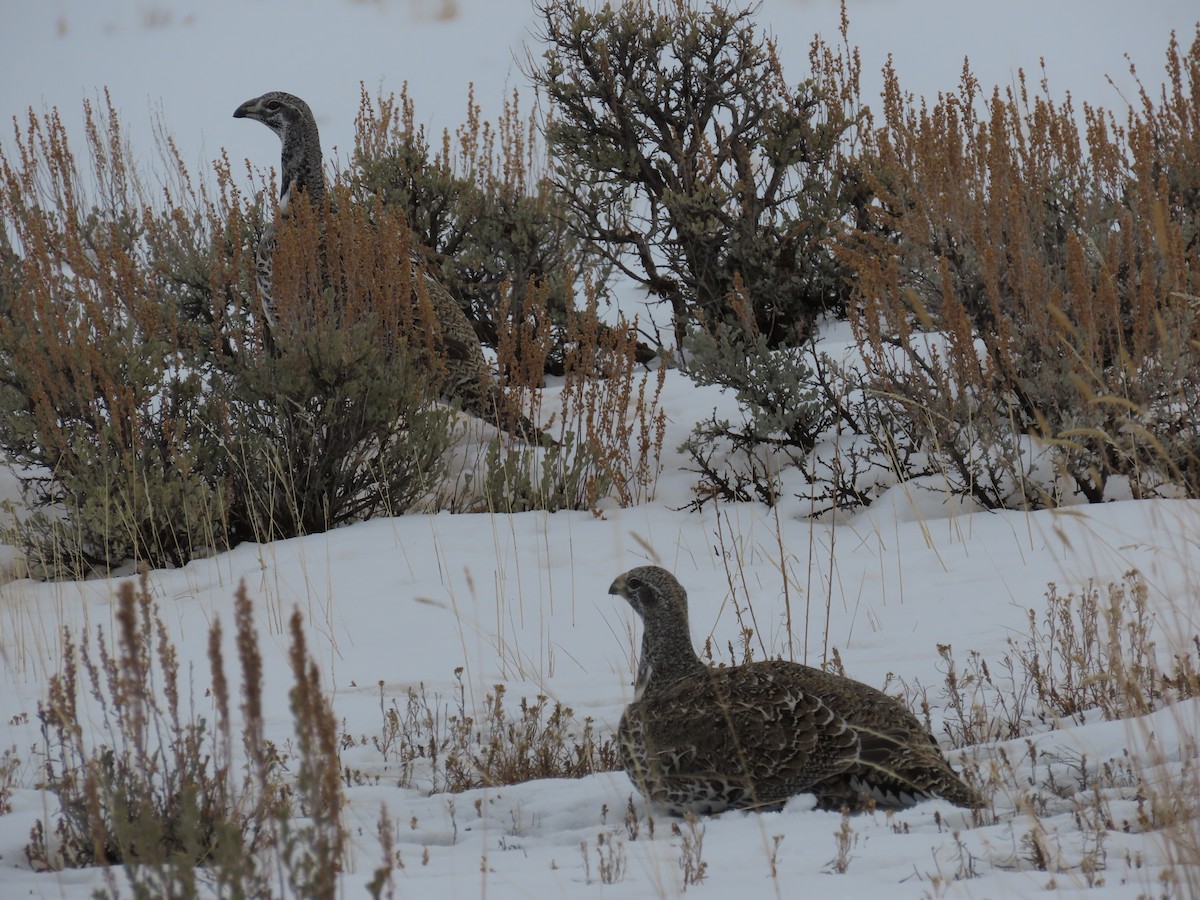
(468, 376)
(702, 740)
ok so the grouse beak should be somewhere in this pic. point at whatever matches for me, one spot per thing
(244, 110)
(618, 586)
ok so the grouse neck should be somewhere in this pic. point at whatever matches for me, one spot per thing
(300, 165)
(667, 655)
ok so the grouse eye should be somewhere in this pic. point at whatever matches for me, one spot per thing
(273, 105)
(634, 583)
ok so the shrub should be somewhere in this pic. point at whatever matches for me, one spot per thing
(151, 421)
(158, 790)
(454, 751)
(151, 418)
(338, 424)
(782, 413)
(1059, 267)
(482, 215)
(332, 431)
(9, 764)
(1089, 652)
(609, 422)
(96, 402)
(773, 388)
(487, 220)
(684, 156)
(136, 393)
(610, 407)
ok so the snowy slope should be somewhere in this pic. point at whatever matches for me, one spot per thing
(522, 601)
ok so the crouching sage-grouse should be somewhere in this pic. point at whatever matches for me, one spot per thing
(468, 376)
(703, 740)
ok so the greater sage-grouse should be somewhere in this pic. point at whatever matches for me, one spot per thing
(701, 739)
(468, 376)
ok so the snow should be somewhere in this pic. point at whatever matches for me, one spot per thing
(522, 600)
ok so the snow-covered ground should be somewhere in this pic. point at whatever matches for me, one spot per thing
(522, 600)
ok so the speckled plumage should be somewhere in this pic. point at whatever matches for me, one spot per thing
(468, 376)
(705, 740)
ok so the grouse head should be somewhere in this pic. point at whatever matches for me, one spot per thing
(290, 118)
(278, 110)
(653, 592)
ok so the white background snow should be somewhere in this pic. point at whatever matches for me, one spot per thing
(522, 600)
